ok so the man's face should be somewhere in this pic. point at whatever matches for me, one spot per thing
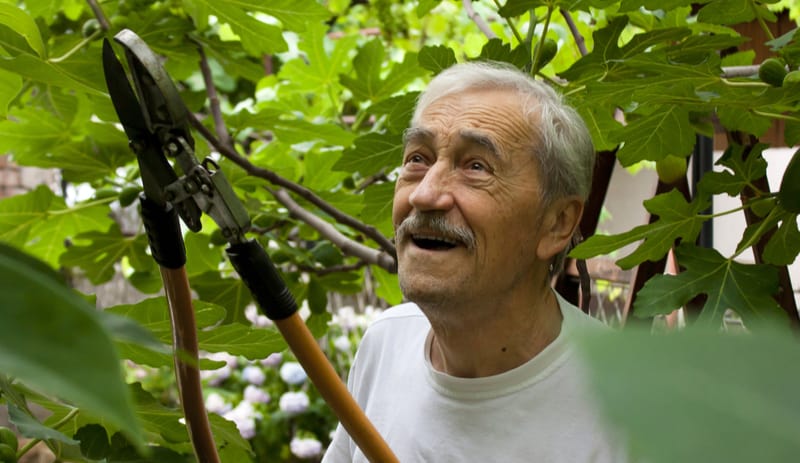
(468, 163)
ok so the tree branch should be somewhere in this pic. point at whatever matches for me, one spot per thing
(328, 231)
(333, 269)
(478, 20)
(99, 14)
(305, 193)
(579, 40)
(225, 147)
(213, 98)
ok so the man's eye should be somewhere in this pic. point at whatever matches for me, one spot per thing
(477, 166)
(414, 159)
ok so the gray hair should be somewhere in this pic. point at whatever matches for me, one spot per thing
(564, 153)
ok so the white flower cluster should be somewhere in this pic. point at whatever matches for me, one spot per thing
(294, 403)
(347, 318)
(305, 447)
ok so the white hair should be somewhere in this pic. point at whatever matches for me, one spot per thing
(564, 150)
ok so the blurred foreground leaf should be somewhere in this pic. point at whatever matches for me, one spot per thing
(699, 396)
(53, 341)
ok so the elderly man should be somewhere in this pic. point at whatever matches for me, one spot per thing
(477, 367)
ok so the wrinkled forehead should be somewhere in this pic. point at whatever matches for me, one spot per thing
(501, 116)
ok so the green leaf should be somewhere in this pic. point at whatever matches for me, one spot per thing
(513, 8)
(734, 12)
(378, 207)
(10, 86)
(743, 120)
(24, 25)
(153, 315)
(322, 66)
(371, 153)
(425, 6)
(436, 58)
(784, 245)
(397, 109)
(201, 256)
(388, 287)
(653, 137)
(230, 293)
(496, 50)
(239, 339)
(741, 171)
(601, 123)
(257, 37)
(94, 441)
(294, 14)
(367, 66)
(19, 214)
(28, 426)
(666, 5)
(301, 131)
(39, 138)
(744, 288)
(49, 236)
(676, 219)
(690, 381)
(104, 249)
(55, 74)
(52, 340)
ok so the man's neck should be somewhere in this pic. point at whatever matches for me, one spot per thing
(512, 335)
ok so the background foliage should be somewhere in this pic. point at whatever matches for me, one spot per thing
(312, 97)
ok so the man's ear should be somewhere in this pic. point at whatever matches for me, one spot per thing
(560, 220)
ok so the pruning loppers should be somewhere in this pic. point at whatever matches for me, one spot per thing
(157, 124)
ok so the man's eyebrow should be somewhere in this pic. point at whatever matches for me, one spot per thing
(480, 138)
(417, 134)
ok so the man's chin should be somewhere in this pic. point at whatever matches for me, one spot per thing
(426, 294)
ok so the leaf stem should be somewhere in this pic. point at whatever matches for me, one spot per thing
(77, 47)
(77, 207)
(31, 443)
(731, 83)
(784, 117)
(765, 224)
(537, 51)
(761, 22)
(511, 25)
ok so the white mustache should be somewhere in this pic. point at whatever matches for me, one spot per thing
(435, 224)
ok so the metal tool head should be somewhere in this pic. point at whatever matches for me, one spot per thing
(153, 116)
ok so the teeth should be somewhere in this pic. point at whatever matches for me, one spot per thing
(436, 238)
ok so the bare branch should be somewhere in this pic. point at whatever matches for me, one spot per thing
(333, 269)
(329, 232)
(305, 193)
(739, 71)
(99, 14)
(478, 20)
(213, 98)
(579, 40)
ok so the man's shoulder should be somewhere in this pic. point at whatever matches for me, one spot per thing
(407, 312)
(397, 322)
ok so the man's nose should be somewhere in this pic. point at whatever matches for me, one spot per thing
(435, 191)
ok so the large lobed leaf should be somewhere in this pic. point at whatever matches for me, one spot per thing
(52, 340)
(698, 396)
(745, 288)
(677, 219)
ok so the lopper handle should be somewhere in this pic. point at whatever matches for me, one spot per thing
(270, 292)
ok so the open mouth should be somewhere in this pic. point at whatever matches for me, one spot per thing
(434, 243)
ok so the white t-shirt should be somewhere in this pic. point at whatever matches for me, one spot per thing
(538, 412)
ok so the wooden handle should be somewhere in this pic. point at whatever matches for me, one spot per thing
(333, 390)
(184, 338)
